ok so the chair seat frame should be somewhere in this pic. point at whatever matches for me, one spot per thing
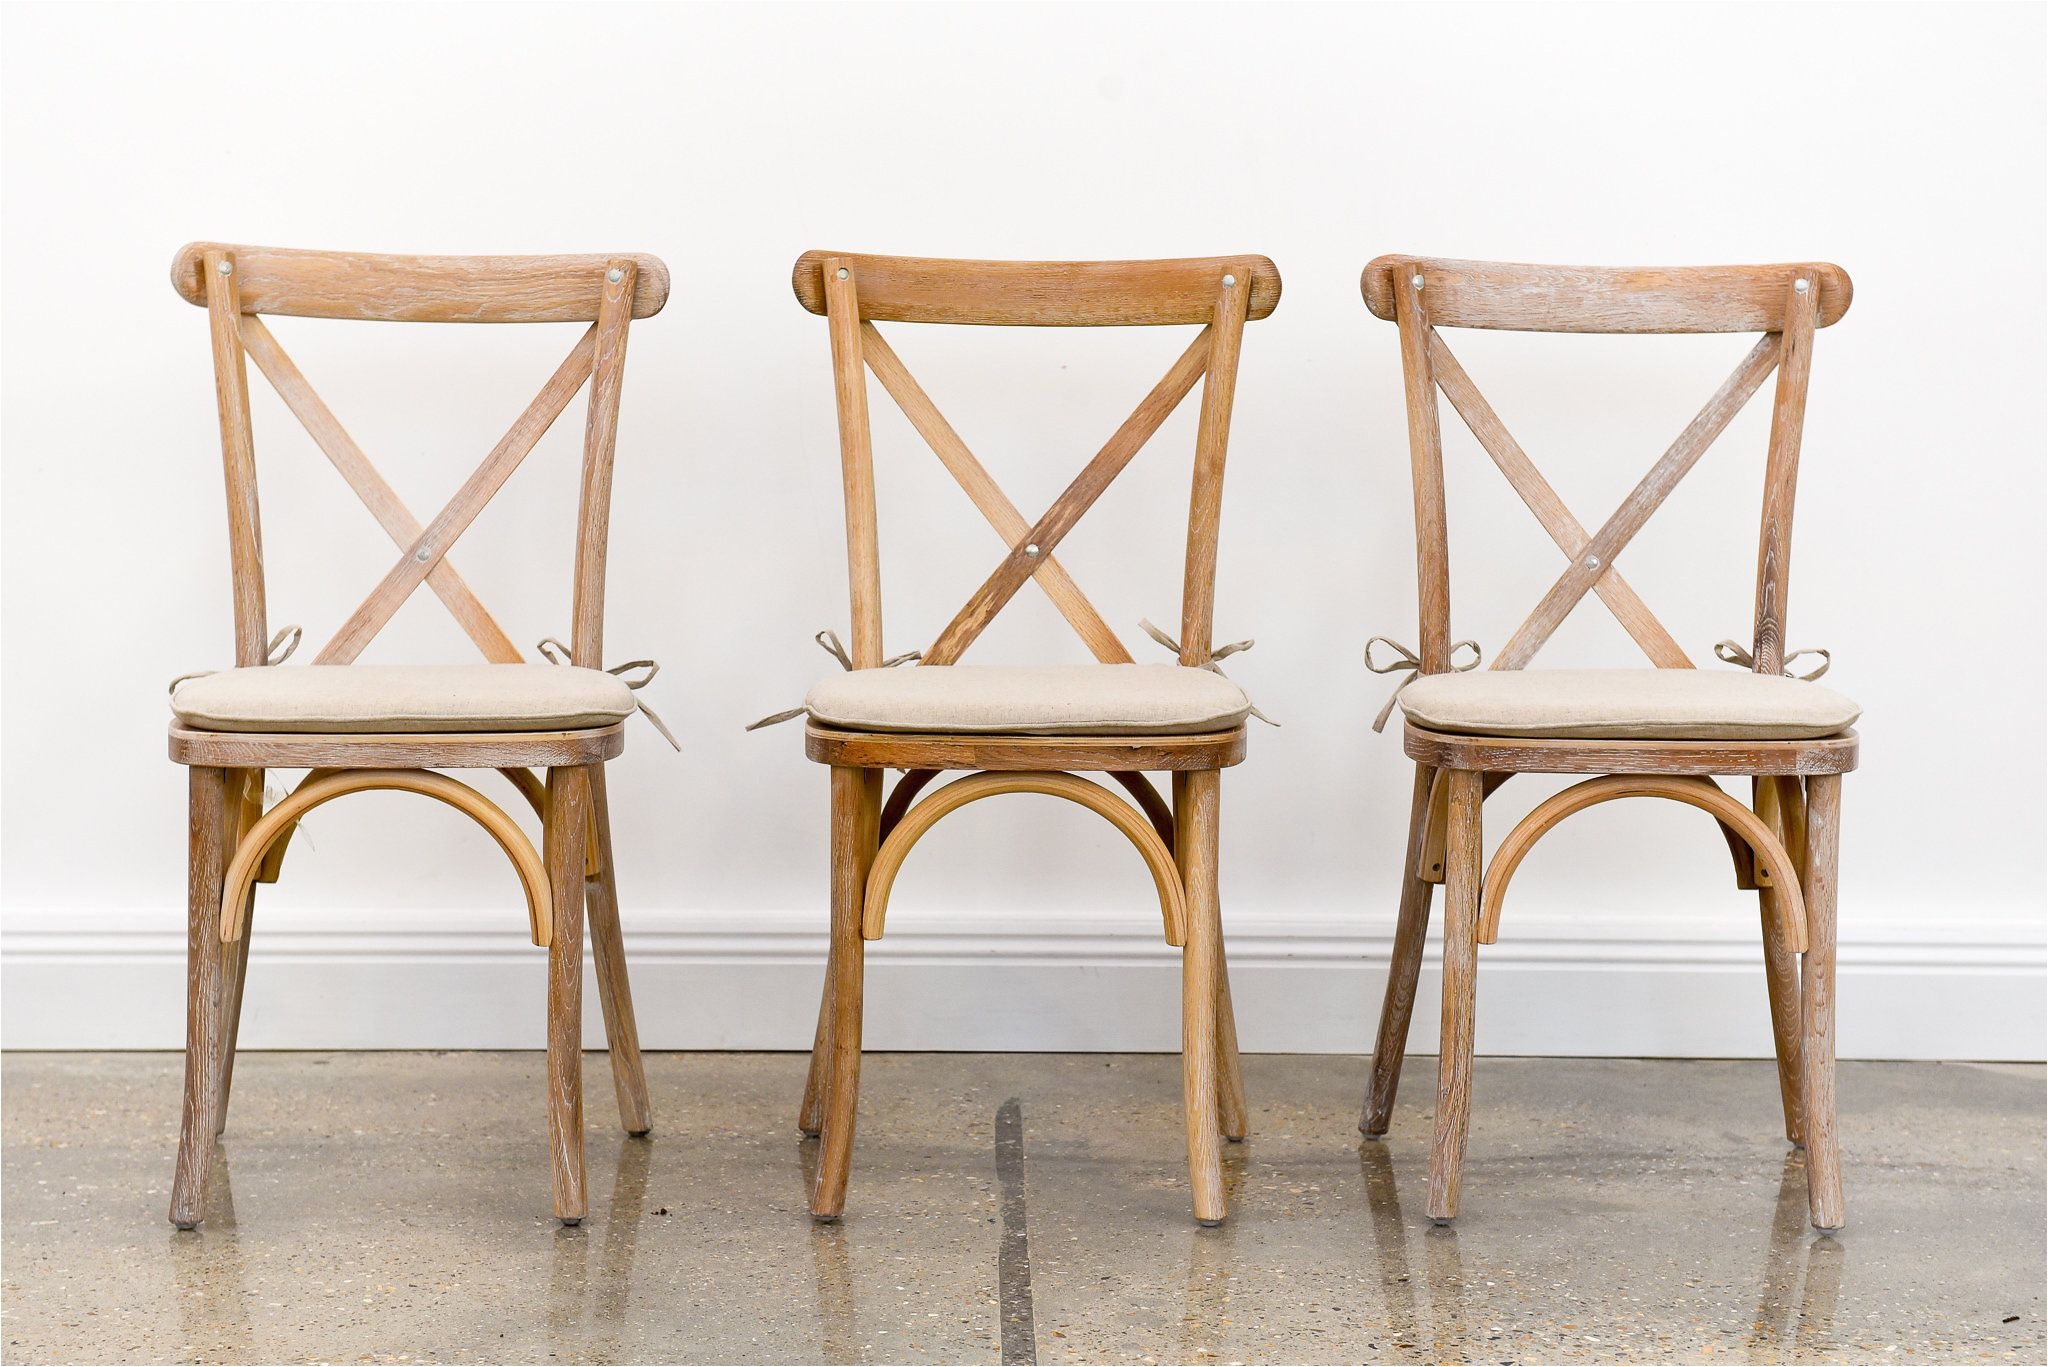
(569, 881)
(1784, 842)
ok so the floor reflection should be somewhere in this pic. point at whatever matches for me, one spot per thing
(1802, 1277)
(833, 1270)
(1205, 1294)
(208, 1275)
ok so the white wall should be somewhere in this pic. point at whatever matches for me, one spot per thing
(1905, 143)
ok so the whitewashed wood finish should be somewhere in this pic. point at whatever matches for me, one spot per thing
(1654, 299)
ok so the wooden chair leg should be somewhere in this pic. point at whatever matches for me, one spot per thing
(1817, 1001)
(1463, 854)
(1404, 966)
(856, 820)
(810, 1118)
(614, 990)
(204, 1040)
(1781, 964)
(568, 821)
(1198, 974)
(245, 806)
(1230, 1111)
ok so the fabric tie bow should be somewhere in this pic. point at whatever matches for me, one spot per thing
(1733, 653)
(1220, 653)
(555, 653)
(1411, 664)
(276, 653)
(829, 642)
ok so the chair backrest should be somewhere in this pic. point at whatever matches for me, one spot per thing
(237, 285)
(854, 292)
(1785, 303)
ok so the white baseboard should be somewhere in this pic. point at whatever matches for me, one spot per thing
(1909, 987)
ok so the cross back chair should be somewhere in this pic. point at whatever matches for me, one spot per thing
(388, 727)
(1660, 732)
(1024, 729)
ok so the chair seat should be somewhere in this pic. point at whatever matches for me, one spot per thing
(348, 699)
(1031, 700)
(1627, 704)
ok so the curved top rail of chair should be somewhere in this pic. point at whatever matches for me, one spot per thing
(917, 289)
(421, 289)
(961, 791)
(273, 825)
(1523, 298)
(1546, 755)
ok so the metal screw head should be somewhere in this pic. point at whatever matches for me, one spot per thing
(1031, 549)
(422, 555)
(1229, 280)
(615, 275)
(1592, 562)
(1800, 286)
(227, 268)
(842, 272)
(1416, 281)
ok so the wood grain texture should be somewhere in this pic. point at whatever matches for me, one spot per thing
(856, 465)
(245, 807)
(315, 792)
(1528, 298)
(1404, 965)
(451, 522)
(1205, 500)
(204, 1040)
(222, 296)
(987, 496)
(1694, 791)
(856, 814)
(371, 487)
(1464, 854)
(453, 750)
(1780, 805)
(1199, 832)
(1828, 755)
(1074, 501)
(911, 289)
(1542, 500)
(1426, 478)
(1781, 478)
(1649, 494)
(1132, 823)
(899, 750)
(1817, 1002)
(566, 829)
(600, 442)
(608, 951)
(422, 289)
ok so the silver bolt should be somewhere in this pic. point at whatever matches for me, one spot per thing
(422, 555)
(1031, 549)
(1592, 562)
(1799, 286)
(842, 272)
(227, 268)
(1229, 280)
(615, 275)
(1416, 281)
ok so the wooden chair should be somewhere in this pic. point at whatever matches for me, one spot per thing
(387, 727)
(1662, 732)
(1020, 730)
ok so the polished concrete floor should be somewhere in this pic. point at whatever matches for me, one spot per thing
(393, 1208)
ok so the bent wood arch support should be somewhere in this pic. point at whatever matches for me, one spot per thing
(325, 787)
(1788, 905)
(912, 825)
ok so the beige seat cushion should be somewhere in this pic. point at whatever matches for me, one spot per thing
(1032, 700)
(1627, 704)
(410, 698)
